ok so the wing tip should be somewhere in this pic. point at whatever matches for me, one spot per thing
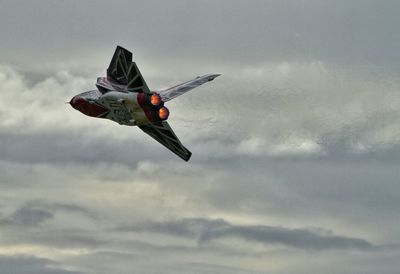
(211, 77)
(127, 52)
(121, 48)
(186, 158)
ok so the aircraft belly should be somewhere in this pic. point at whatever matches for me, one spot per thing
(124, 108)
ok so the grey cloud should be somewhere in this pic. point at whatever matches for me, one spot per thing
(207, 230)
(30, 216)
(58, 239)
(72, 208)
(32, 213)
(299, 238)
(58, 236)
(27, 216)
(75, 148)
(189, 261)
(225, 31)
(212, 268)
(60, 207)
(32, 265)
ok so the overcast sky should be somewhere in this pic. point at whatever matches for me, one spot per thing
(296, 147)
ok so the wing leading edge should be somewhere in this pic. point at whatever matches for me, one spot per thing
(171, 93)
(164, 134)
(125, 72)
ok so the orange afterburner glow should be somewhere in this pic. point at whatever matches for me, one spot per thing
(163, 113)
(155, 99)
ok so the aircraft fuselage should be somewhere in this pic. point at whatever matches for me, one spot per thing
(125, 108)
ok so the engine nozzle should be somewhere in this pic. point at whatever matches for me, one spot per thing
(163, 113)
(153, 107)
(155, 99)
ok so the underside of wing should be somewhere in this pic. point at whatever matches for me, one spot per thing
(164, 134)
(171, 93)
(124, 72)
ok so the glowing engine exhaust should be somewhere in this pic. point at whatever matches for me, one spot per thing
(155, 100)
(153, 107)
(163, 113)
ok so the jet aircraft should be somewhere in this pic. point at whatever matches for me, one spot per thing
(124, 97)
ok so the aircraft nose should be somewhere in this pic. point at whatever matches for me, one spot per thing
(75, 101)
(81, 104)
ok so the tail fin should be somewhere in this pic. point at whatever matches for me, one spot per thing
(171, 93)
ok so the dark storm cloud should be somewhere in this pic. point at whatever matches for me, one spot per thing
(32, 265)
(207, 230)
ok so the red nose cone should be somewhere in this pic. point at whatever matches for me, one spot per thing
(87, 108)
(78, 103)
